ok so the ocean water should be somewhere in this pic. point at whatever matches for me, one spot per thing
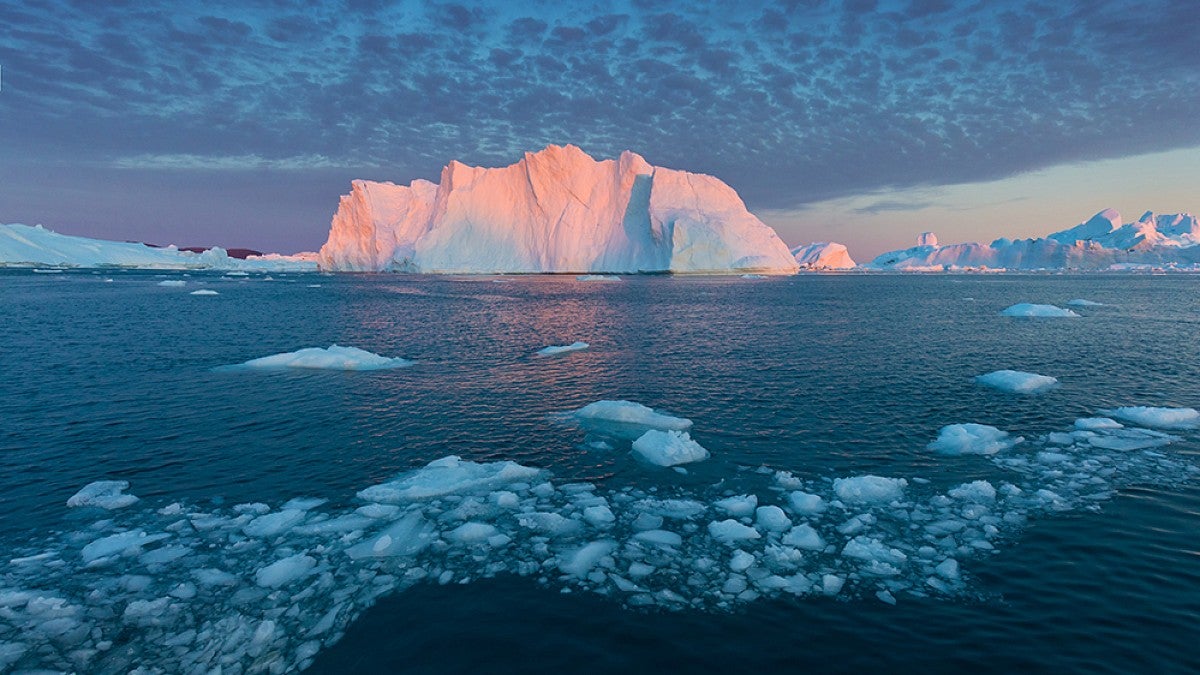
(823, 377)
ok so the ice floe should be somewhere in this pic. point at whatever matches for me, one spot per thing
(1160, 418)
(104, 494)
(669, 448)
(972, 439)
(1080, 302)
(1017, 381)
(316, 358)
(204, 291)
(627, 419)
(1029, 310)
(597, 277)
(180, 587)
(173, 283)
(554, 350)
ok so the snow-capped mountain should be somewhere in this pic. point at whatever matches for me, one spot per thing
(1102, 242)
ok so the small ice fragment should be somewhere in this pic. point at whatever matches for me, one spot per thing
(173, 283)
(831, 584)
(204, 291)
(633, 414)
(104, 494)
(869, 489)
(1028, 310)
(669, 448)
(806, 504)
(472, 533)
(554, 350)
(730, 531)
(947, 569)
(582, 560)
(1160, 418)
(1017, 382)
(284, 571)
(738, 506)
(977, 491)
(1097, 423)
(741, 561)
(1080, 302)
(972, 439)
(659, 537)
(599, 515)
(771, 519)
(334, 357)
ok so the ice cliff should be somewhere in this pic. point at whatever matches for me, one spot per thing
(1102, 242)
(557, 210)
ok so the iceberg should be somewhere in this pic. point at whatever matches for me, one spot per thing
(823, 256)
(554, 211)
(1017, 381)
(36, 246)
(1103, 242)
(317, 358)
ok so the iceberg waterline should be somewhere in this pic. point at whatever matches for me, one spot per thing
(183, 587)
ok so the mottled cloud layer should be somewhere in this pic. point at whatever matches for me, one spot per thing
(790, 101)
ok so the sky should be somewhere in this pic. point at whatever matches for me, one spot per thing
(860, 121)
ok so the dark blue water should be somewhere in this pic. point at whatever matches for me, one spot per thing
(822, 376)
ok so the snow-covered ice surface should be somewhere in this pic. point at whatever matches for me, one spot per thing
(1017, 381)
(1030, 310)
(554, 350)
(178, 587)
(25, 246)
(823, 256)
(334, 357)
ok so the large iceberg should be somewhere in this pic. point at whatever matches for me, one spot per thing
(823, 256)
(1102, 242)
(557, 210)
(35, 246)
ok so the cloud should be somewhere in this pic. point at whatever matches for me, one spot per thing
(893, 205)
(188, 162)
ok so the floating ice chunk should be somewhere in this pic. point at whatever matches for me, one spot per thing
(630, 415)
(317, 358)
(972, 439)
(549, 523)
(947, 569)
(1017, 382)
(659, 537)
(679, 509)
(406, 537)
(738, 506)
(120, 543)
(741, 561)
(1025, 309)
(204, 291)
(104, 494)
(1160, 418)
(869, 489)
(873, 550)
(581, 561)
(599, 515)
(806, 504)
(597, 277)
(209, 576)
(886, 597)
(285, 571)
(164, 555)
(977, 491)
(173, 283)
(1080, 302)
(446, 476)
(1097, 423)
(1128, 443)
(337, 525)
(274, 524)
(805, 537)
(831, 584)
(771, 519)
(730, 531)
(669, 448)
(553, 350)
(472, 533)
(753, 276)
